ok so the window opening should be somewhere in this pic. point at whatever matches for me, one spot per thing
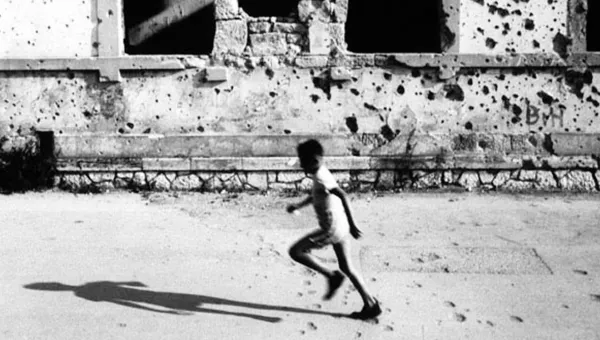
(386, 26)
(593, 26)
(193, 34)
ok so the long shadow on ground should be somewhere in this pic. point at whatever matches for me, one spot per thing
(120, 293)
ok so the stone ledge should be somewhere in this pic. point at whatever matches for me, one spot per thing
(416, 60)
(336, 145)
(256, 164)
(575, 144)
(190, 145)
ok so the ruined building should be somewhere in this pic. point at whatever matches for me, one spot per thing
(215, 94)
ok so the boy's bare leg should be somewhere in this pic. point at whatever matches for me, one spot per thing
(299, 252)
(343, 253)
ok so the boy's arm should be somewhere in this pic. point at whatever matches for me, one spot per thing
(337, 191)
(292, 207)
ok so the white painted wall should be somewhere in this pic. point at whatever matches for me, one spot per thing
(549, 18)
(48, 28)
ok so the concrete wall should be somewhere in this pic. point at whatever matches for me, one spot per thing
(513, 104)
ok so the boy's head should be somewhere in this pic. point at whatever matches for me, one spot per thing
(310, 154)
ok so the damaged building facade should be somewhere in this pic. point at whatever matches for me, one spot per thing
(213, 95)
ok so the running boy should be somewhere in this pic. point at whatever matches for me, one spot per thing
(336, 225)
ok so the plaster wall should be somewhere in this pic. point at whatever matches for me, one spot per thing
(508, 26)
(294, 100)
(48, 28)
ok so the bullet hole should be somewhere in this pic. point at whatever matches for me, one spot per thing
(157, 117)
(323, 84)
(533, 141)
(517, 110)
(370, 107)
(352, 124)
(546, 98)
(387, 133)
(506, 28)
(387, 76)
(269, 127)
(499, 10)
(378, 89)
(471, 108)
(483, 144)
(593, 101)
(536, 44)
(470, 82)
(480, 30)
(469, 126)
(270, 73)
(315, 98)
(121, 130)
(355, 92)
(490, 43)
(430, 95)
(130, 125)
(577, 80)
(400, 89)
(147, 131)
(355, 152)
(415, 73)
(529, 24)
(454, 92)
(515, 120)
(273, 94)
(485, 90)
(287, 132)
(217, 91)
(501, 77)
(561, 44)
(87, 114)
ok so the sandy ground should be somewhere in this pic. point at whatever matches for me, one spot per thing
(191, 266)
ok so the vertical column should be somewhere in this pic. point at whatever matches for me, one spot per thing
(450, 26)
(577, 25)
(110, 28)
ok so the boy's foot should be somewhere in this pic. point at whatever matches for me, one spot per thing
(335, 282)
(367, 312)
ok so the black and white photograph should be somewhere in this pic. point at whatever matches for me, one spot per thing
(300, 169)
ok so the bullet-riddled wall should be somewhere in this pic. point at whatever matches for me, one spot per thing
(503, 94)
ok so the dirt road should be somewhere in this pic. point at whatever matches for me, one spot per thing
(192, 266)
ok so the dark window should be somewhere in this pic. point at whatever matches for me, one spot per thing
(394, 26)
(593, 25)
(193, 35)
(273, 8)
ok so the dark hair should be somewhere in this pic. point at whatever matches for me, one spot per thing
(311, 147)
